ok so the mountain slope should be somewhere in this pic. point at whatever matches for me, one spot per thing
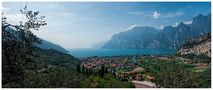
(168, 37)
(98, 45)
(198, 46)
(24, 65)
(137, 37)
(48, 45)
(174, 37)
(44, 44)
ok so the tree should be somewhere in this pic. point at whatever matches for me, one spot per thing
(102, 71)
(78, 68)
(17, 45)
(106, 70)
(83, 71)
(174, 75)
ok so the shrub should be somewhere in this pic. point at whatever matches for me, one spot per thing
(107, 81)
(174, 75)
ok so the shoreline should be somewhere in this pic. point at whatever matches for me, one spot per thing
(126, 56)
(85, 53)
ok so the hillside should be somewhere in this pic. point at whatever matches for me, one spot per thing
(200, 45)
(49, 45)
(169, 37)
(45, 54)
(44, 44)
(45, 57)
(26, 65)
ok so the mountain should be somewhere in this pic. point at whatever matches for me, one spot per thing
(45, 57)
(48, 45)
(98, 45)
(137, 37)
(174, 37)
(44, 44)
(169, 37)
(24, 66)
(200, 45)
(45, 54)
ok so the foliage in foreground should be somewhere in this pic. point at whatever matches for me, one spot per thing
(108, 81)
(174, 75)
(56, 77)
(18, 44)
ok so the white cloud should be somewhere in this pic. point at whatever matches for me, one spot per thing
(175, 25)
(156, 15)
(172, 14)
(53, 5)
(5, 9)
(66, 14)
(136, 13)
(161, 26)
(135, 25)
(132, 26)
(15, 18)
(48, 5)
(188, 22)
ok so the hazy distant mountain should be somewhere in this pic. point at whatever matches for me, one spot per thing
(137, 37)
(168, 37)
(44, 45)
(48, 45)
(98, 45)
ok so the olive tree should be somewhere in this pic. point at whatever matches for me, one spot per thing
(18, 43)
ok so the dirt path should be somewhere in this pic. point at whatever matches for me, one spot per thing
(143, 84)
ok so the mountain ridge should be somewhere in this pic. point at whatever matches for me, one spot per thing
(49, 45)
(44, 43)
(125, 39)
(169, 37)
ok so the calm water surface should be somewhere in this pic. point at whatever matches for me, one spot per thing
(117, 52)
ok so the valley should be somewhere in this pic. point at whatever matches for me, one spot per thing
(139, 45)
(142, 68)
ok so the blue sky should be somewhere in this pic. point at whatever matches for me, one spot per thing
(79, 25)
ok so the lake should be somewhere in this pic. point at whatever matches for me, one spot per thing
(84, 52)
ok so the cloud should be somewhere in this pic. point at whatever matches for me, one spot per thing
(175, 25)
(135, 25)
(15, 18)
(188, 22)
(156, 15)
(161, 27)
(47, 5)
(132, 26)
(5, 9)
(172, 14)
(68, 14)
(136, 13)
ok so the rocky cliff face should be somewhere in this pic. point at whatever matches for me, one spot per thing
(174, 37)
(198, 46)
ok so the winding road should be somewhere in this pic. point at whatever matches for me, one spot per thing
(143, 84)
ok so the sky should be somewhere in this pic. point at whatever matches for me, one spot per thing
(82, 24)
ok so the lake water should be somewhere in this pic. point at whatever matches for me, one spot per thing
(117, 52)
